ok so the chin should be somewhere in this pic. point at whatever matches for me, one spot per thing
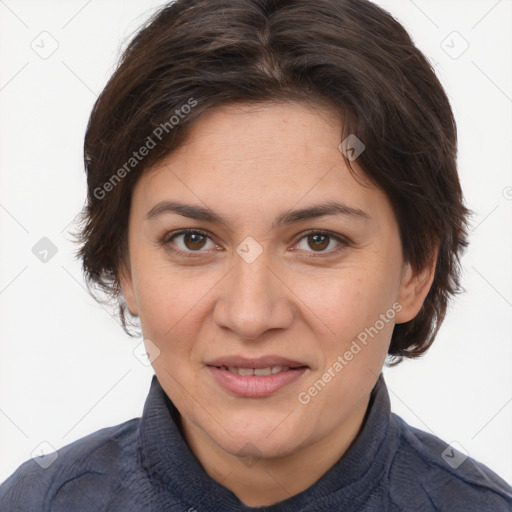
(254, 444)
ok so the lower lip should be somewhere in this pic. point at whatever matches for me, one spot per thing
(255, 386)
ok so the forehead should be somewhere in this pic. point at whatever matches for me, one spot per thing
(252, 156)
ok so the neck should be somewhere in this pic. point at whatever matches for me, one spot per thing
(265, 481)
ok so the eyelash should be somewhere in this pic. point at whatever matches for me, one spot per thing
(343, 242)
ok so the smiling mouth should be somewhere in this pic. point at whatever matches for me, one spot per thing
(258, 372)
(260, 382)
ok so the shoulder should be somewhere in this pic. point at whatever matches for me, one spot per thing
(92, 461)
(434, 475)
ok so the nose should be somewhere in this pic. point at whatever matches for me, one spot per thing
(253, 299)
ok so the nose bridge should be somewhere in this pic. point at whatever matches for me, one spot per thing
(252, 281)
(253, 300)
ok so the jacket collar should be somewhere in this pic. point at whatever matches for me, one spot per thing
(170, 463)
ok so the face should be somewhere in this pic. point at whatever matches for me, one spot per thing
(254, 284)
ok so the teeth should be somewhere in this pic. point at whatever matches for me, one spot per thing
(263, 371)
(247, 372)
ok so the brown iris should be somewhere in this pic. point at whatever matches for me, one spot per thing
(194, 241)
(320, 242)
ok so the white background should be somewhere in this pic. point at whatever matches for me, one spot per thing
(66, 367)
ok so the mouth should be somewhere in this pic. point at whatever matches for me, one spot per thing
(259, 372)
(255, 378)
(255, 363)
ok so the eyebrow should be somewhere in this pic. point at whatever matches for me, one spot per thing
(288, 217)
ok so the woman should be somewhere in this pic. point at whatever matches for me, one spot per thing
(273, 196)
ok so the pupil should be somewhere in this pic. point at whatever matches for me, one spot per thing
(316, 239)
(194, 240)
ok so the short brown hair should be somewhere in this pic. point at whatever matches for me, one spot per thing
(349, 55)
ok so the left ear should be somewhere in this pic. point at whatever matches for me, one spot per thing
(414, 288)
(127, 288)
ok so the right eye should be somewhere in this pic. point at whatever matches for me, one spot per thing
(189, 241)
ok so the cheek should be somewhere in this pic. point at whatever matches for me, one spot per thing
(358, 307)
(350, 299)
(169, 299)
(357, 304)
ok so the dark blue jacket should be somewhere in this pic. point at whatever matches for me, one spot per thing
(145, 465)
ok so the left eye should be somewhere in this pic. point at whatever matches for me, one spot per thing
(319, 242)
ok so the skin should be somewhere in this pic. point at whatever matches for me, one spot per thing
(299, 299)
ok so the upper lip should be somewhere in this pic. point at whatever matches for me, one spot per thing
(254, 362)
